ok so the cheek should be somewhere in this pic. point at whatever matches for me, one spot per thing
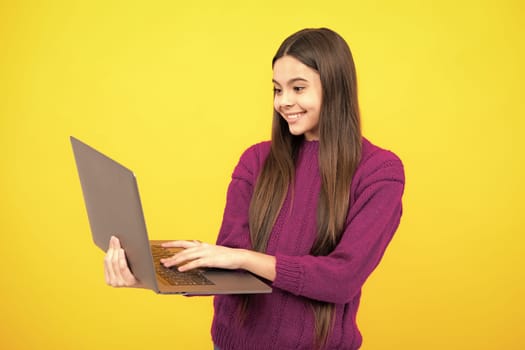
(276, 104)
(316, 103)
(310, 102)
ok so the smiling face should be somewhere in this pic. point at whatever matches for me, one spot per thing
(297, 96)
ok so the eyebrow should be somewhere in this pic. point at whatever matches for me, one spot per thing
(291, 81)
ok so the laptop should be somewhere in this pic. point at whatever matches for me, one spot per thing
(113, 207)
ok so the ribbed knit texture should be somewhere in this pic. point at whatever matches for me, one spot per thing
(283, 319)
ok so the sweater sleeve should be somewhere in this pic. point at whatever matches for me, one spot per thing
(235, 230)
(372, 220)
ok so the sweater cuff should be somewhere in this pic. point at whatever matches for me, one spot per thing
(289, 274)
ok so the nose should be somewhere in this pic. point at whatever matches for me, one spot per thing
(284, 99)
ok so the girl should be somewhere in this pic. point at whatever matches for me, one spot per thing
(312, 211)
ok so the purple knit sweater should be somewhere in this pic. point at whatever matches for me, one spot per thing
(283, 319)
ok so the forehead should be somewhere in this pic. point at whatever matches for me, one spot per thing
(288, 68)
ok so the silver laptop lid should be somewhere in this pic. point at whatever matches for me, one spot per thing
(113, 206)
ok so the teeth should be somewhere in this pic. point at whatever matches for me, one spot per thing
(294, 116)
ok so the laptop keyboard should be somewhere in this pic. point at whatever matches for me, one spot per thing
(174, 276)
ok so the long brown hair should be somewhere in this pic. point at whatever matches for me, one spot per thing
(339, 153)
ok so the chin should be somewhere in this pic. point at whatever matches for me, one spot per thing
(297, 133)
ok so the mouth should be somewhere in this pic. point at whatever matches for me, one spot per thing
(291, 117)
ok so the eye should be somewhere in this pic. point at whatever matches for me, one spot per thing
(298, 88)
(276, 90)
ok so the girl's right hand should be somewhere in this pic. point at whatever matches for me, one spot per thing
(116, 270)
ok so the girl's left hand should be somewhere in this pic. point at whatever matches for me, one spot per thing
(197, 254)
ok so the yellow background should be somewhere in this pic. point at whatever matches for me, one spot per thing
(177, 90)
